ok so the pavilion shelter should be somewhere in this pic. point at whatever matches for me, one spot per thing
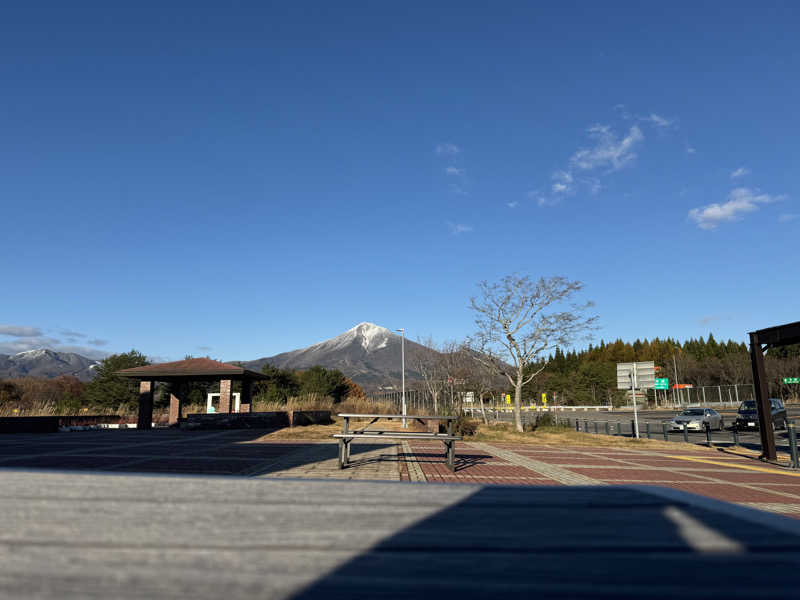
(181, 372)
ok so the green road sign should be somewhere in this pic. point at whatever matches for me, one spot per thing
(791, 380)
(662, 384)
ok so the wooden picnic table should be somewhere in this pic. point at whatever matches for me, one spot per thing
(347, 436)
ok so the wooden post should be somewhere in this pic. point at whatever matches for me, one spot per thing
(145, 419)
(762, 399)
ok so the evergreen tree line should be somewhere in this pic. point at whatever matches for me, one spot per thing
(589, 376)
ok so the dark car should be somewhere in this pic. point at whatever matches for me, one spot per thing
(747, 417)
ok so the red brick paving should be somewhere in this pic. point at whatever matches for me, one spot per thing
(238, 452)
(729, 492)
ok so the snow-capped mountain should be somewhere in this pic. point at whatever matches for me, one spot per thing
(368, 354)
(46, 363)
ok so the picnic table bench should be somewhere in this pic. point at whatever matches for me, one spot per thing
(347, 436)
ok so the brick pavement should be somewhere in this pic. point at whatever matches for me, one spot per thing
(246, 453)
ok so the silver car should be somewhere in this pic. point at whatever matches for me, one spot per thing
(696, 419)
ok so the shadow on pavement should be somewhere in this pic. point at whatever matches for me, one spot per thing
(609, 542)
(227, 452)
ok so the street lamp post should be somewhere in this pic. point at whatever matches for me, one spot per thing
(403, 363)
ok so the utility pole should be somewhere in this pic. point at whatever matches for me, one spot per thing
(675, 370)
(403, 367)
(633, 399)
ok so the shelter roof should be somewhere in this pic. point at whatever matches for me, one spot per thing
(781, 335)
(190, 368)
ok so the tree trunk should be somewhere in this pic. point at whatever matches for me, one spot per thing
(518, 404)
(483, 410)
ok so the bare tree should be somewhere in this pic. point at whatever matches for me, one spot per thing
(429, 365)
(482, 379)
(520, 320)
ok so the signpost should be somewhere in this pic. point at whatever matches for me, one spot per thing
(662, 383)
(633, 376)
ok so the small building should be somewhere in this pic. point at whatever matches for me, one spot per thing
(181, 372)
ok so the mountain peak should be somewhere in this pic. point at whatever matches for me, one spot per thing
(369, 335)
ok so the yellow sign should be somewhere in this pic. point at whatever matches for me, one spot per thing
(508, 398)
(544, 398)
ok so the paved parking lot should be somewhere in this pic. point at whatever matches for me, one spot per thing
(711, 473)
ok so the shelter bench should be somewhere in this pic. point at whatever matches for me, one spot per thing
(347, 436)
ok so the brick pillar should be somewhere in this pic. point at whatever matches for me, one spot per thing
(246, 397)
(225, 396)
(175, 404)
(145, 420)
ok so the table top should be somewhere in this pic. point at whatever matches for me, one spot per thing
(429, 417)
(128, 537)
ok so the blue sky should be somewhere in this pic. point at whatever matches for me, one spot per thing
(244, 180)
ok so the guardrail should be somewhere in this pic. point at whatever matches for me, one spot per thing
(471, 410)
(647, 431)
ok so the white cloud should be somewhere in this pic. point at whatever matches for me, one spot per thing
(563, 182)
(20, 331)
(543, 200)
(658, 120)
(35, 343)
(740, 201)
(447, 149)
(454, 171)
(690, 150)
(513, 204)
(458, 228)
(740, 172)
(786, 218)
(609, 150)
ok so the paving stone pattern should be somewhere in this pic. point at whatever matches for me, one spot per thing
(247, 453)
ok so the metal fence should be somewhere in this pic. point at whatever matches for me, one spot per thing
(450, 403)
(707, 395)
(421, 401)
(662, 429)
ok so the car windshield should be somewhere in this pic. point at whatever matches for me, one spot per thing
(749, 405)
(693, 412)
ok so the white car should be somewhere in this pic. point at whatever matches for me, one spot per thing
(696, 419)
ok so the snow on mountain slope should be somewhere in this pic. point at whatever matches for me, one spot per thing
(368, 353)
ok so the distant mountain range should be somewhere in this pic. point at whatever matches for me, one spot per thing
(368, 354)
(46, 363)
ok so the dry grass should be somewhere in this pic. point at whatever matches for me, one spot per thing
(563, 436)
(316, 402)
(325, 432)
(51, 409)
(307, 432)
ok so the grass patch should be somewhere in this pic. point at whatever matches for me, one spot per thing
(558, 435)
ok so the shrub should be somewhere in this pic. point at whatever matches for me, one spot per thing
(465, 427)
